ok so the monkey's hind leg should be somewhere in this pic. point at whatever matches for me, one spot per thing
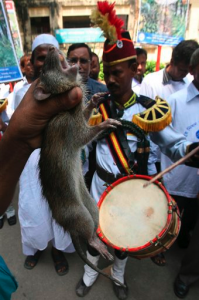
(91, 206)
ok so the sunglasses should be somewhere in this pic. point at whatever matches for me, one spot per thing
(74, 60)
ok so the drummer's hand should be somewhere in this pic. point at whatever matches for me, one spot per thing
(31, 116)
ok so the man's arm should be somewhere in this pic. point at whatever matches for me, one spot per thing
(24, 134)
(171, 143)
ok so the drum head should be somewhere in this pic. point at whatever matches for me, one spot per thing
(130, 216)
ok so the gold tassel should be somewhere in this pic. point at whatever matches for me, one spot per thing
(3, 105)
(95, 119)
(156, 124)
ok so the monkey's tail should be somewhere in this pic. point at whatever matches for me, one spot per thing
(78, 248)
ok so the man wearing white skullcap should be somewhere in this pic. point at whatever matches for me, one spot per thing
(40, 48)
(44, 39)
(37, 226)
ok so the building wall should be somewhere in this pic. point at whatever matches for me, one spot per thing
(57, 10)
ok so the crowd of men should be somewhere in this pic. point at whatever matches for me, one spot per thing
(125, 84)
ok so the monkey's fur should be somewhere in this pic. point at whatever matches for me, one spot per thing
(60, 161)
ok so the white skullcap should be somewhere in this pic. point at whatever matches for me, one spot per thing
(44, 39)
(4, 90)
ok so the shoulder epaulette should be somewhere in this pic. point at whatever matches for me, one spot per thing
(95, 118)
(3, 104)
(156, 116)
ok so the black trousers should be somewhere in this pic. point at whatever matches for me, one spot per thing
(189, 271)
(189, 207)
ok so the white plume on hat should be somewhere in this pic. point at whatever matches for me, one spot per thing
(44, 39)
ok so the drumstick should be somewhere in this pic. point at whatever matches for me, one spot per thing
(180, 161)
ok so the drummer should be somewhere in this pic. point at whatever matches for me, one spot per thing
(116, 155)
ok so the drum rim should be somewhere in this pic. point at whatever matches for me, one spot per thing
(155, 239)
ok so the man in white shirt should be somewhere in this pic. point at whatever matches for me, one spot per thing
(141, 69)
(167, 81)
(174, 76)
(184, 181)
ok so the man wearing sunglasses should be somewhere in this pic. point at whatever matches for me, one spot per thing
(81, 54)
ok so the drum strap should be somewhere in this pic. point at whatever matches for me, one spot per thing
(117, 141)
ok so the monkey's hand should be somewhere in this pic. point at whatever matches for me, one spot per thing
(95, 101)
(109, 123)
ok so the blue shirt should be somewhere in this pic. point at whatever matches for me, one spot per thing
(93, 87)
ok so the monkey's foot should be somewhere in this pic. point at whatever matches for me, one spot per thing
(96, 243)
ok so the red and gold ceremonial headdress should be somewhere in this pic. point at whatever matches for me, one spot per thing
(118, 46)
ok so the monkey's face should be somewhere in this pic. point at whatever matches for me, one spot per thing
(56, 75)
(56, 62)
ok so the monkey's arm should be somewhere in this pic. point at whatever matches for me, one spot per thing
(93, 103)
(88, 110)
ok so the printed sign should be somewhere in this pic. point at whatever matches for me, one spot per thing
(9, 66)
(162, 22)
(79, 35)
(10, 7)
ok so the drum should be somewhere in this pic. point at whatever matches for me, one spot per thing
(141, 221)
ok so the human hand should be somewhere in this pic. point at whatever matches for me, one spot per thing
(31, 116)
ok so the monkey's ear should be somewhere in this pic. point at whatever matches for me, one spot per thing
(39, 93)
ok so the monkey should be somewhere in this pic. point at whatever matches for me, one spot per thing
(60, 167)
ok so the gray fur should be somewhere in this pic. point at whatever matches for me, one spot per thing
(60, 164)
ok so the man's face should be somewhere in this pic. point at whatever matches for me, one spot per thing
(39, 58)
(179, 71)
(141, 68)
(28, 68)
(80, 56)
(95, 68)
(118, 78)
(195, 73)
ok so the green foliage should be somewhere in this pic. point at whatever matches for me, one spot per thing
(7, 58)
(151, 65)
(150, 15)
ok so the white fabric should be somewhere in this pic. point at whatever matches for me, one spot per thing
(183, 180)
(11, 97)
(44, 39)
(90, 275)
(152, 86)
(37, 225)
(118, 269)
(136, 86)
(85, 166)
(20, 94)
(105, 160)
(4, 90)
(10, 212)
